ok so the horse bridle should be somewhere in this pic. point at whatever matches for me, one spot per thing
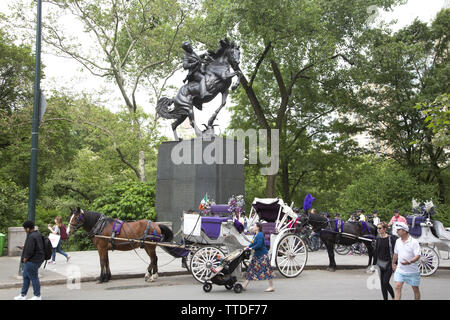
(79, 217)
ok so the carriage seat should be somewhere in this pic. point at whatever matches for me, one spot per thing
(440, 230)
(220, 210)
(211, 226)
(267, 229)
(414, 222)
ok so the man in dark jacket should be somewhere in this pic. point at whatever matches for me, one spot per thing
(32, 258)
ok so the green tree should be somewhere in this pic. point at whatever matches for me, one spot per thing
(13, 204)
(297, 61)
(133, 45)
(16, 75)
(130, 200)
(404, 69)
(438, 119)
(383, 186)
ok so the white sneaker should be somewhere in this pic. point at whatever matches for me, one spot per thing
(51, 262)
(36, 298)
(20, 297)
(68, 258)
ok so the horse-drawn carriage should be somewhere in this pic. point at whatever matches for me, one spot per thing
(215, 236)
(431, 234)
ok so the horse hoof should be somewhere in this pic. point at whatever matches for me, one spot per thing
(147, 277)
(331, 269)
(153, 278)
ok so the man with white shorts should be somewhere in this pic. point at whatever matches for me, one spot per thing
(404, 262)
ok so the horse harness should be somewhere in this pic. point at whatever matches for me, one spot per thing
(117, 225)
(339, 228)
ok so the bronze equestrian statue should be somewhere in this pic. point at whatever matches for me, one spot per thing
(209, 74)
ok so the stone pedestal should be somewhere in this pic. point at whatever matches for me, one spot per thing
(189, 169)
(16, 237)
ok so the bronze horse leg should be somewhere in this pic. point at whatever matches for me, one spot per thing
(214, 115)
(175, 124)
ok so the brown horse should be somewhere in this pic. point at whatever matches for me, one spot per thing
(97, 224)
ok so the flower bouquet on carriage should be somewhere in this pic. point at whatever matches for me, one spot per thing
(236, 206)
(205, 206)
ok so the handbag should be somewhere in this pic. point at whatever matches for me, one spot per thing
(54, 239)
(383, 264)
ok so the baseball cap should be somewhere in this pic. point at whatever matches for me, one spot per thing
(402, 225)
(395, 211)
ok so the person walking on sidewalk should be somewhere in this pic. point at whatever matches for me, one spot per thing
(383, 253)
(32, 258)
(404, 262)
(58, 229)
(259, 268)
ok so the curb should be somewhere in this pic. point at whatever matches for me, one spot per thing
(164, 274)
(54, 282)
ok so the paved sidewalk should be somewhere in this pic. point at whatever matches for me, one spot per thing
(130, 264)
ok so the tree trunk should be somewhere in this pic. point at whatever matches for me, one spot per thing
(285, 182)
(141, 166)
(271, 186)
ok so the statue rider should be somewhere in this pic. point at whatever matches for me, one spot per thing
(193, 63)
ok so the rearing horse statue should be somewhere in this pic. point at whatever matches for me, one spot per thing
(217, 79)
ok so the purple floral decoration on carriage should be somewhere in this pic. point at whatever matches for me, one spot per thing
(236, 205)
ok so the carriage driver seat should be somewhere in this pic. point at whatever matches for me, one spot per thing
(440, 230)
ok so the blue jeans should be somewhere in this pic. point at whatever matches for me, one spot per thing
(316, 241)
(58, 249)
(30, 274)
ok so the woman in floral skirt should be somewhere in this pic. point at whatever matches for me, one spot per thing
(259, 268)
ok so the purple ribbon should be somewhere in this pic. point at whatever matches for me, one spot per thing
(365, 226)
(336, 221)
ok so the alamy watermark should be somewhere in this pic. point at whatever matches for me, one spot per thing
(73, 274)
(231, 150)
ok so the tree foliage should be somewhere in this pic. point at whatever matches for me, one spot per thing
(404, 69)
(128, 201)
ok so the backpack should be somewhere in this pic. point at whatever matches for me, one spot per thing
(63, 233)
(48, 248)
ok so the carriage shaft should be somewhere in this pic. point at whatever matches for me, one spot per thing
(140, 241)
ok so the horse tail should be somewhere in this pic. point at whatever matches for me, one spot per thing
(167, 237)
(167, 234)
(162, 108)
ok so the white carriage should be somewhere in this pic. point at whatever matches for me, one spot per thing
(211, 238)
(287, 250)
(217, 235)
(432, 236)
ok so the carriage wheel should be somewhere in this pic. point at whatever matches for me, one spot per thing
(428, 262)
(192, 251)
(203, 260)
(291, 255)
(342, 249)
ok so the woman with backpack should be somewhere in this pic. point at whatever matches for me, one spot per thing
(58, 229)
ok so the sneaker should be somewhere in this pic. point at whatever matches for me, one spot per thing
(68, 258)
(20, 297)
(51, 262)
(36, 298)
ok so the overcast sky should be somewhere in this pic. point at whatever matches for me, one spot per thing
(66, 73)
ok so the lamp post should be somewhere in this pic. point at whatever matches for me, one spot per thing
(36, 107)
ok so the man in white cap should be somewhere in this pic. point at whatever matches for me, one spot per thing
(404, 262)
